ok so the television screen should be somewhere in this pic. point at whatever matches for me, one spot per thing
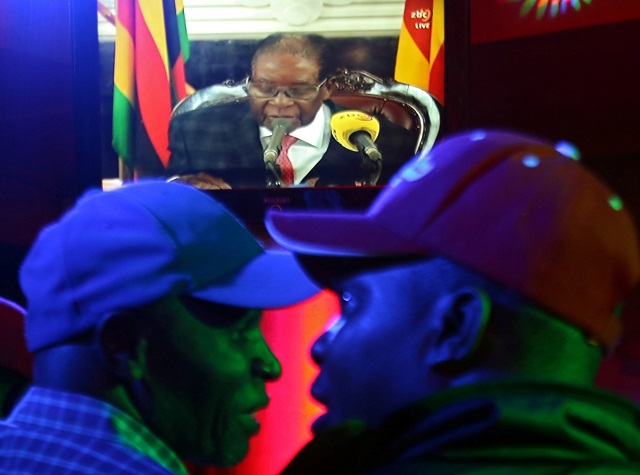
(341, 95)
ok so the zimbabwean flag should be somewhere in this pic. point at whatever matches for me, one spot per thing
(150, 51)
(420, 56)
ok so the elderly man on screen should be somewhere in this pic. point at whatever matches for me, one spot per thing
(143, 311)
(479, 294)
(222, 147)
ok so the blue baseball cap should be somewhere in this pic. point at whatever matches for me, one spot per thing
(121, 249)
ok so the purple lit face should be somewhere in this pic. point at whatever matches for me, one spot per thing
(286, 71)
(372, 359)
(206, 379)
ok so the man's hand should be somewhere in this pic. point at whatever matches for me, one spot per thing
(203, 181)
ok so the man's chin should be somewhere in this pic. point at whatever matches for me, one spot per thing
(224, 458)
(222, 450)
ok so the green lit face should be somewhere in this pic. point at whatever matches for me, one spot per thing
(207, 368)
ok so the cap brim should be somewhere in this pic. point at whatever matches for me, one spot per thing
(273, 279)
(335, 234)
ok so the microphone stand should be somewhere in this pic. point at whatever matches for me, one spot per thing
(373, 168)
(270, 153)
(272, 175)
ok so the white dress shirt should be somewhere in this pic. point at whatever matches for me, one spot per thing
(308, 150)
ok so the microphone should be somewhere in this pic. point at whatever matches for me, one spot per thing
(357, 131)
(280, 125)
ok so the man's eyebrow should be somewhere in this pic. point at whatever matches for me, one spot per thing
(267, 81)
(253, 317)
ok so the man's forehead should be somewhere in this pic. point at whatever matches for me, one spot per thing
(216, 314)
(174, 311)
(333, 272)
(274, 61)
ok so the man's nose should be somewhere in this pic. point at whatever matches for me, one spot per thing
(265, 365)
(268, 369)
(281, 98)
(318, 349)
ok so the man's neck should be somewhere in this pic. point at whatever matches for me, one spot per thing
(77, 368)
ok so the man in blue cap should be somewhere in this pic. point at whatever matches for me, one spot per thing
(143, 306)
(479, 293)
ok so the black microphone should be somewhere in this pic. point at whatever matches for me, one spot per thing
(357, 131)
(280, 126)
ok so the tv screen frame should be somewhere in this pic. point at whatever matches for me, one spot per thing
(249, 204)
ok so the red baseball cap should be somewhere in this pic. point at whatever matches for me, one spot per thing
(508, 206)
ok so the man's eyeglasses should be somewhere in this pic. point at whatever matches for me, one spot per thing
(266, 90)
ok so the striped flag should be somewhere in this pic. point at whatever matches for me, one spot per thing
(420, 56)
(149, 79)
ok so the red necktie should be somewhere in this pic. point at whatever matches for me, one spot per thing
(286, 169)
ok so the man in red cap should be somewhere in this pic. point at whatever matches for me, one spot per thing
(479, 293)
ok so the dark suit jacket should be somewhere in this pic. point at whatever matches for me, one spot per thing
(224, 141)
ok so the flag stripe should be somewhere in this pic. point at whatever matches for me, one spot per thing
(122, 137)
(418, 18)
(179, 83)
(124, 55)
(153, 88)
(146, 83)
(172, 33)
(436, 72)
(152, 15)
(179, 7)
(182, 30)
(437, 30)
(174, 48)
(124, 84)
(420, 56)
(412, 66)
(436, 76)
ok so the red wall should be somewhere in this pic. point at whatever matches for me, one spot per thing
(493, 20)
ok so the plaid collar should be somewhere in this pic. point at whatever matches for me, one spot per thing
(89, 417)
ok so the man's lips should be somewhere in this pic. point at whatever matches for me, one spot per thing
(248, 417)
(250, 424)
(262, 403)
(289, 121)
(316, 392)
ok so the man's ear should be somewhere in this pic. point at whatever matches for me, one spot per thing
(123, 345)
(460, 318)
(328, 88)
